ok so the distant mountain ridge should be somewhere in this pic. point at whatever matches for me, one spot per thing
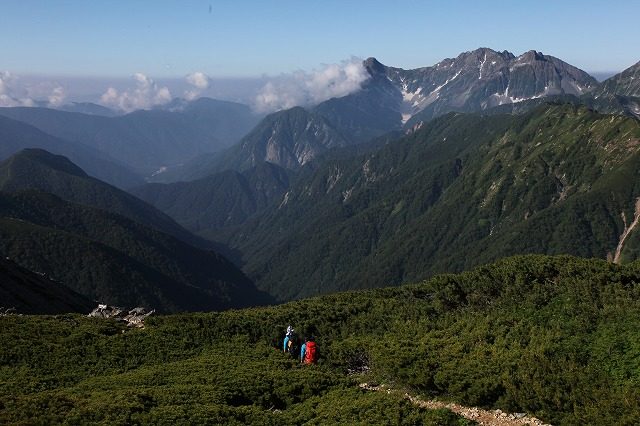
(393, 99)
(16, 136)
(620, 92)
(626, 83)
(289, 139)
(484, 78)
(36, 169)
(147, 139)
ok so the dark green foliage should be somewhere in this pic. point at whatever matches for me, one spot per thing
(31, 293)
(224, 199)
(462, 190)
(110, 258)
(118, 380)
(35, 169)
(553, 336)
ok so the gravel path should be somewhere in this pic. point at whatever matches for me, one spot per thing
(482, 417)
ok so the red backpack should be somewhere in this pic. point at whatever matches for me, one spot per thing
(311, 353)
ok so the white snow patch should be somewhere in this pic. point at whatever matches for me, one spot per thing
(406, 117)
(449, 80)
(160, 170)
(482, 65)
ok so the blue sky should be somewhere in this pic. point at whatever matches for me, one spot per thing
(251, 38)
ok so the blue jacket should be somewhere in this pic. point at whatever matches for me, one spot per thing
(303, 350)
(286, 340)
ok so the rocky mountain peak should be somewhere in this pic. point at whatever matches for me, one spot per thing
(374, 67)
(531, 56)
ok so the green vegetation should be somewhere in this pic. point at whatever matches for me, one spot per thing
(36, 169)
(461, 191)
(225, 199)
(109, 258)
(31, 293)
(553, 336)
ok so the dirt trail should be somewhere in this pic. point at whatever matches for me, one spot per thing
(627, 231)
(482, 417)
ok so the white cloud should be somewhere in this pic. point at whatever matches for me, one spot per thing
(308, 88)
(145, 95)
(15, 93)
(11, 94)
(57, 96)
(200, 82)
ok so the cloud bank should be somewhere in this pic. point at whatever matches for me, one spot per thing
(14, 94)
(145, 95)
(307, 88)
(199, 82)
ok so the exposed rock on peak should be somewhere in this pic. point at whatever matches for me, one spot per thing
(373, 66)
(627, 83)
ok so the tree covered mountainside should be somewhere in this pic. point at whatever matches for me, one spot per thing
(36, 169)
(462, 190)
(112, 259)
(224, 199)
(551, 336)
(32, 293)
(16, 136)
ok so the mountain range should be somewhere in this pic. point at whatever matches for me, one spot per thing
(421, 171)
(35, 169)
(462, 190)
(147, 141)
(108, 245)
(16, 136)
(394, 100)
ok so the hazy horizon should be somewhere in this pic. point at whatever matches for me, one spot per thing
(140, 54)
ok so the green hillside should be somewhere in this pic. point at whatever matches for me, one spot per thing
(114, 260)
(16, 136)
(33, 293)
(224, 199)
(552, 336)
(462, 190)
(36, 169)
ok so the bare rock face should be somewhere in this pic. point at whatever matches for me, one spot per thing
(626, 83)
(484, 78)
(289, 138)
(134, 318)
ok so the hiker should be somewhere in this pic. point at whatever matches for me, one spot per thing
(310, 351)
(303, 350)
(290, 341)
(292, 346)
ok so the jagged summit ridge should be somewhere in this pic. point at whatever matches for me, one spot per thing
(481, 79)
